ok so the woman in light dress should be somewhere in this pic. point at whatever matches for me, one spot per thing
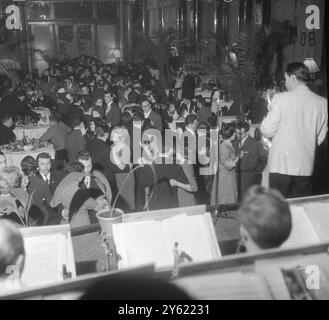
(227, 183)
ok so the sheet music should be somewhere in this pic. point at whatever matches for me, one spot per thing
(45, 256)
(141, 243)
(192, 236)
(318, 213)
(303, 232)
(271, 271)
(226, 286)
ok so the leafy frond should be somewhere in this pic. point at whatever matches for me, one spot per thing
(8, 64)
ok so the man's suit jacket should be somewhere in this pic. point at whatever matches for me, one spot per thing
(156, 120)
(101, 157)
(188, 87)
(248, 174)
(44, 193)
(298, 123)
(75, 142)
(193, 109)
(75, 112)
(114, 115)
(16, 107)
(46, 102)
(251, 149)
(7, 135)
(204, 114)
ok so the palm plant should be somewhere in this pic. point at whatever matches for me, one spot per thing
(158, 49)
(239, 75)
(6, 65)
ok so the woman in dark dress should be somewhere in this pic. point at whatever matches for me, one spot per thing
(188, 87)
(155, 176)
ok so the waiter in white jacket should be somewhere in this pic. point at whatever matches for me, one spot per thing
(298, 123)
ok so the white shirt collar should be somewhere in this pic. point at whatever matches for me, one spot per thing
(243, 141)
(146, 115)
(45, 176)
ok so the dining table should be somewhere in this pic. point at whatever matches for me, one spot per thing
(14, 158)
(30, 131)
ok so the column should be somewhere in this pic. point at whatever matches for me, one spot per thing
(233, 26)
(130, 30)
(258, 11)
(144, 17)
(122, 31)
(126, 29)
(197, 14)
(181, 18)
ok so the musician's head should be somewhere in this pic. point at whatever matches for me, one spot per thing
(12, 253)
(84, 158)
(296, 74)
(44, 163)
(242, 129)
(265, 219)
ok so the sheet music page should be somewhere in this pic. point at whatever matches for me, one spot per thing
(303, 232)
(45, 256)
(226, 286)
(192, 236)
(141, 243)
(318, 213)
(271, 271)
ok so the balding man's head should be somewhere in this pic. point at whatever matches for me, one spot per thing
(12, 251)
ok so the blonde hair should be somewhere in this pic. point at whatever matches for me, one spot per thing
(122, 132)
(11, 177)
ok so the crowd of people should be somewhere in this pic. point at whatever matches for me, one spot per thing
(117, 125)
(122, 141)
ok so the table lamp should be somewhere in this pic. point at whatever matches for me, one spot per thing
(312, 66)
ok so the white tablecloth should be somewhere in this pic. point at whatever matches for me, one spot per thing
(30, 132)
(15, 158)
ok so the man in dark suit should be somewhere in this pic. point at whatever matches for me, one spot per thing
(76, 140)
(248, 174)
(112, 111)
(44, 183)
(42, 101)
(75, 110)
(155, 118)
(188, 107)
(14, 105)
(188, 87)
(101, 156)
(7, 134)
(204, 112)
(158, 92)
